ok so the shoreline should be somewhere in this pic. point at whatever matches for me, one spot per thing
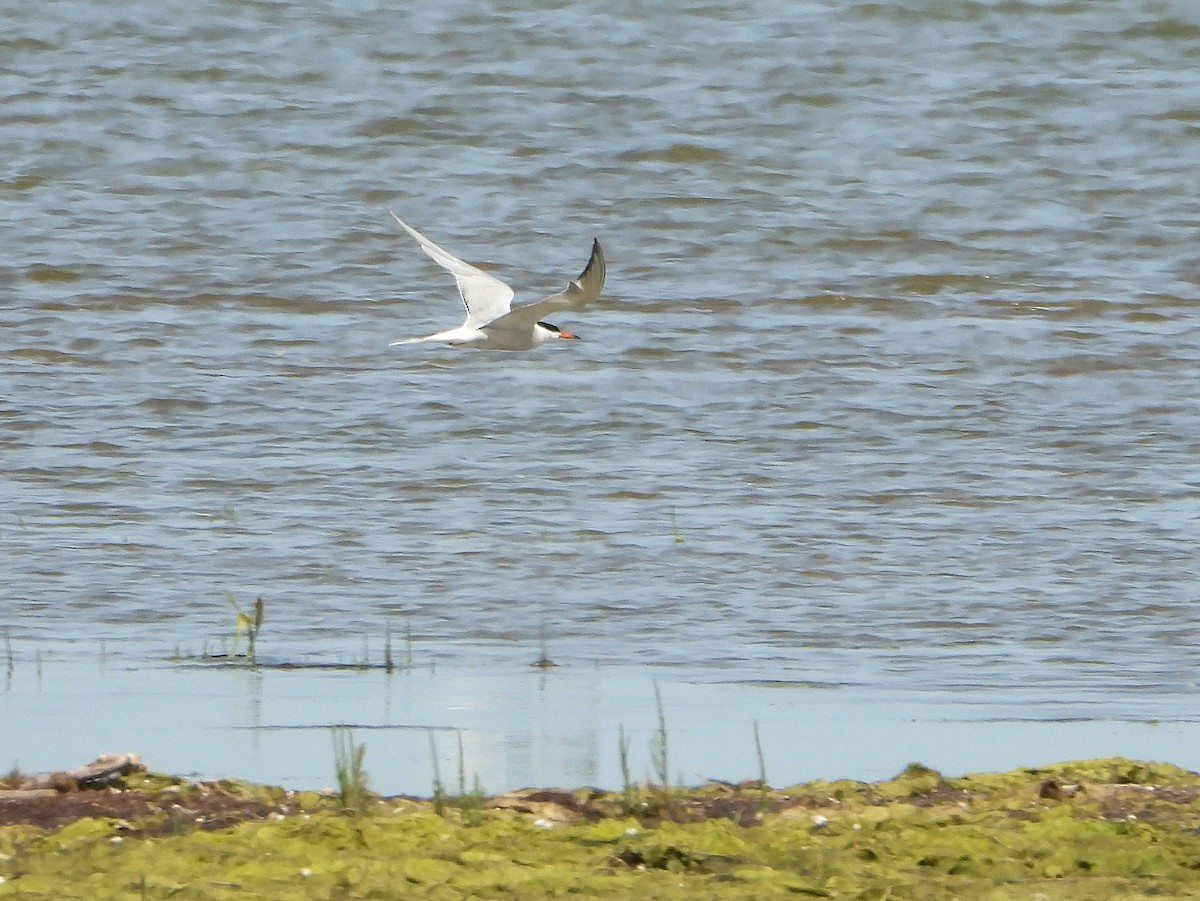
(1105, 828)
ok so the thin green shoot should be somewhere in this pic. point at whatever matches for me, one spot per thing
(659, 749)
(470, 803)
(660, 758)
(439, 790)
(764, 790)
(462, 764)
(354, 793)
(628, 790)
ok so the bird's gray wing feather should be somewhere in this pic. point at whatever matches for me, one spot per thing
(485, 296)
(580, 291)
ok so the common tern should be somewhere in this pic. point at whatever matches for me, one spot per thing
(492, 322)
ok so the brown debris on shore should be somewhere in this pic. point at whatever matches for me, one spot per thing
(53, 800)
(118, 787)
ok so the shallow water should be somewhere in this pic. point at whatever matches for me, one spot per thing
(892, 391)
(510, 727)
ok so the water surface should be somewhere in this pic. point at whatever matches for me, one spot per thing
(892, 391)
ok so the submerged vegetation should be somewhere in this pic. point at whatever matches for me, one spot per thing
(1101, 829)
(250, 625)
(228, 652)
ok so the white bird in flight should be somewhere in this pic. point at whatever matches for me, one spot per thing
(492, 322)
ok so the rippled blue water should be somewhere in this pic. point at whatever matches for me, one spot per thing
(893, 387)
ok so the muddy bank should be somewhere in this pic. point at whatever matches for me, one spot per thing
(1109, 828)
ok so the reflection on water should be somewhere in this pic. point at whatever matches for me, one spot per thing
(560, 727)
(893, 388)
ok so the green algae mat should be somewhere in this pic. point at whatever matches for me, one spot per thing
(1099, 829)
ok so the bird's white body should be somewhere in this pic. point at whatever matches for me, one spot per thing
(492, 322)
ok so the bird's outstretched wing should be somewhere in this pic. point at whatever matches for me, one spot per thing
(485, 297)
(579, 292)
